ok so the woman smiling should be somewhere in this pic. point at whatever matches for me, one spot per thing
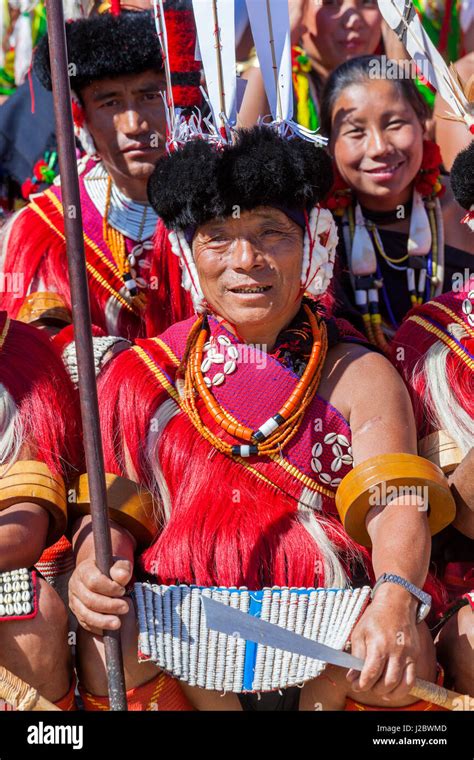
(401, 240)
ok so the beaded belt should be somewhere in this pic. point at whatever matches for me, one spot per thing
(173, 633)
(18, 595)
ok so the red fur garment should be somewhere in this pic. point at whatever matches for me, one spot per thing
(39, 254)
(33, 250)
(226, 526)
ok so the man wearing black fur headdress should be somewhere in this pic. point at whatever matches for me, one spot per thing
(238, 441)
(116, 75)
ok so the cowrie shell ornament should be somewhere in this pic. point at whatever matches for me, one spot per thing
(337, 442)
(230, 367)
(218, 379)
(219, 351)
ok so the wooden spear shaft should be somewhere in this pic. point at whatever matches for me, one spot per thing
(82, 328)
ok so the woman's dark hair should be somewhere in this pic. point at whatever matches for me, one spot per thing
(367, 68)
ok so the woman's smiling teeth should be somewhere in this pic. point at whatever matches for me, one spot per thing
(391, 169)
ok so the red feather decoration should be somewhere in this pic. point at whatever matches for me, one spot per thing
(115, 7)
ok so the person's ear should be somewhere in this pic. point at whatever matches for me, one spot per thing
(427, 126)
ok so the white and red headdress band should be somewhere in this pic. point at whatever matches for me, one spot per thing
(319, 252)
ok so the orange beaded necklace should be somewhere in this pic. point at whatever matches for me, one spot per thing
(279, 429)
(114, 239)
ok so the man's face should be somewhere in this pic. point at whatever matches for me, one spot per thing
(250, 268)
(126, 118)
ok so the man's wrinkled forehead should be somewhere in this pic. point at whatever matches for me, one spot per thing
(253, 217)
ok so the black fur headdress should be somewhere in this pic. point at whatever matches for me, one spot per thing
(462, 177)
(104, 46)
(199, 182)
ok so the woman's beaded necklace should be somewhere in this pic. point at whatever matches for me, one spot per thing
(278, 430)
(429, 270)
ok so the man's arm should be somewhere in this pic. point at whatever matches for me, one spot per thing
(23, 530)
(382, 422)
(254, 103)
(452, 136)
(461, 482)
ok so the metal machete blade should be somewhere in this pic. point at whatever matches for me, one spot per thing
(220, 617)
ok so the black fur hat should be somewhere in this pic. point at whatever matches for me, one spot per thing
(199, 183)
(104, 46)
(462, 177)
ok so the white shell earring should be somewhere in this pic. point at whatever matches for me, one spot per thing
(419, 239)
(363, 259)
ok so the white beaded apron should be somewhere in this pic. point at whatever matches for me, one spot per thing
(173, 633)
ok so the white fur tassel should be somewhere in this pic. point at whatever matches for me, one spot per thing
(318, 259)
(189, 277)
(11, 429)
(444, 408)
(334, 575)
